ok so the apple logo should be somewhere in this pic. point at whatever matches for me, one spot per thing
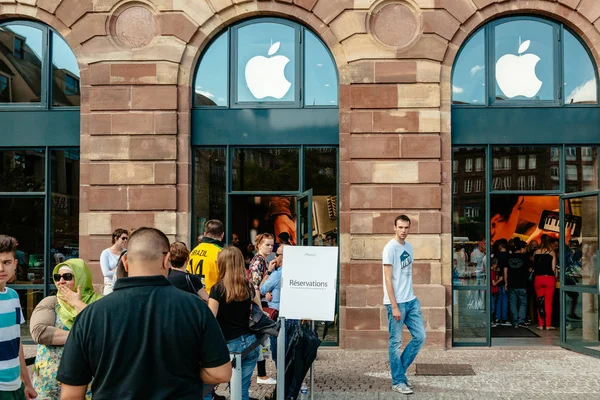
(265, 76)
(516, 74)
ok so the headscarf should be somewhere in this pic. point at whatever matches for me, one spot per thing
(83, 277)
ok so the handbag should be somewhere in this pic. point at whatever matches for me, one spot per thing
(260, 323)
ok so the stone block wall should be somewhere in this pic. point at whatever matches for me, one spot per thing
(394, 59)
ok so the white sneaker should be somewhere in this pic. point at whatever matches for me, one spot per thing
(268, 381)
(402, 388)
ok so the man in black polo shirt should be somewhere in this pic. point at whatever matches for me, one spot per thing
(148, 339)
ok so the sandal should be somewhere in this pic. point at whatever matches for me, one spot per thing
(550, 328)
(541, 328)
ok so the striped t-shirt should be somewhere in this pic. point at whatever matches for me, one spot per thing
(11, 317)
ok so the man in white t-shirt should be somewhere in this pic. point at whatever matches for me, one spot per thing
(402, 305)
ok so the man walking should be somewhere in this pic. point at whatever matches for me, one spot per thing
(203, 259)
(402, 305)
(148, 339)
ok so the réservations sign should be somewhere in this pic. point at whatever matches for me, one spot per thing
(308, 288)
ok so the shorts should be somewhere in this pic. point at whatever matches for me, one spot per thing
(18, 394)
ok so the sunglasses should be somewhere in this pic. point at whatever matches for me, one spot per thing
(67, 277)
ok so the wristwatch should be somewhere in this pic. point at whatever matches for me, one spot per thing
(269, 272)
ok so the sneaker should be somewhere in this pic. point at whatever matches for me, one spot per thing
(402, 388)
(526, 323)
(268, 381)
(505, 323)
(516, 326)
(494, 324)
(522, 326)
(407, 382)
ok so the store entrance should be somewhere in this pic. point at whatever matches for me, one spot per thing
(298, 219)
(524, 282)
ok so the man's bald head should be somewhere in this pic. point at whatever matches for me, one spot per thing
(146, 252)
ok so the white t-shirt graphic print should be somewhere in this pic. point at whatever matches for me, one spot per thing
(400, 256)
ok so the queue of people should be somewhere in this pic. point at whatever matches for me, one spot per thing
(81, 335)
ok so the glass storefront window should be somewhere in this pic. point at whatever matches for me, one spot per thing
(468, 76)
(542, 172)
(65, 74)
(524, 60)
(579, 74)
(265, 169)
(266, 60)
(581, 169)
(23, 219)
(209, 186)
(21, 64)
(22, 170)
(320, 80)
(469, 324)
(581, 223)
(211, 82)
(29, 299)
(469, 221)
(64, 232)
(320, 166)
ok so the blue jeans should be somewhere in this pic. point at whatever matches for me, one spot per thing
(493, 303)
(518, 305)
(411, 315)
(501, 304)
(238, 345)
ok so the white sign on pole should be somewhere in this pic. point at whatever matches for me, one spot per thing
(308, 286)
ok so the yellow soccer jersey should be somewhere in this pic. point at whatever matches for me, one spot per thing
(203, 261)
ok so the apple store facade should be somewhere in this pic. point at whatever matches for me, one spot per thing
(318, 121)
(525, 164)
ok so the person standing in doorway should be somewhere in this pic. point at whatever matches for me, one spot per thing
(402, 306)
(203, 259)
(516, 277)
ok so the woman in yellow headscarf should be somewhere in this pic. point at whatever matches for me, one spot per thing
(53, 318)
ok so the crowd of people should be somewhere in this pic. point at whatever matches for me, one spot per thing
(82, 341)
(523, 278)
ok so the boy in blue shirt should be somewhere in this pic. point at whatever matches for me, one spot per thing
(14, 378)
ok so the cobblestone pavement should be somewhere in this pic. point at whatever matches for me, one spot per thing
(499, 374)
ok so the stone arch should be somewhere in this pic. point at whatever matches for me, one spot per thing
(578, 16)
(233, 13)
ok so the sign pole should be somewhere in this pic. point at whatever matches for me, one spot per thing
(281, 360)
(312, 372)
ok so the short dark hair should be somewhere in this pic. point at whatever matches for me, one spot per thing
(147, 244)
(8, 244)
(401, 217)
(214, 228)
(117, 234)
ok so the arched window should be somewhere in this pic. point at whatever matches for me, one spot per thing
(39, 154)
(27, 50)
(266, 62)
(524, 61)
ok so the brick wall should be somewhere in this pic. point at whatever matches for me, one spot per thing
(394, 59)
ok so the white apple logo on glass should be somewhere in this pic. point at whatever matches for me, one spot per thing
(516, 74)
(265, 75)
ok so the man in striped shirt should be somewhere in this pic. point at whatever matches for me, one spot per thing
(14, 378)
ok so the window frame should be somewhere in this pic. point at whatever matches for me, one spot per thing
(45, 102)
(558, 63)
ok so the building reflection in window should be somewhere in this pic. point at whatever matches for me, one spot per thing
(20, 64)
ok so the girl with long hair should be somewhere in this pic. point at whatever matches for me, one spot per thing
(230, 301)
(544, 283)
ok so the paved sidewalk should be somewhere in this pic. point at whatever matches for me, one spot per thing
(499, 374)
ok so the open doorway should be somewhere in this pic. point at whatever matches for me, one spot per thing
(525, 265)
